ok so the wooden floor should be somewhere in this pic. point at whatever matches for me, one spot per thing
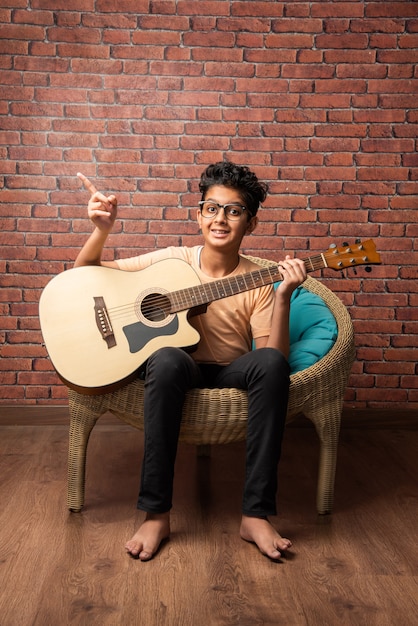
(357, 567)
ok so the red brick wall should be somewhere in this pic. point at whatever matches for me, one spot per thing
(318, 97)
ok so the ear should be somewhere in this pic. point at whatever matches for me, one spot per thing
(252, 225)
(199, 217)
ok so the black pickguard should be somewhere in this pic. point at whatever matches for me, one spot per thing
(138, 334)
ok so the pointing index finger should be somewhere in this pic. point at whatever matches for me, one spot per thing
(89, 185)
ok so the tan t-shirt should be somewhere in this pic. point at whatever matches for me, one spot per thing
(230, 324)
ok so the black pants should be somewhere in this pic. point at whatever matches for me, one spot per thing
(170, 373)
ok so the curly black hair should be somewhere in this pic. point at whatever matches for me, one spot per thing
(238, 177)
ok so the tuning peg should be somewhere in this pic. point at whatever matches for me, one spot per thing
(368, 269)
(345, 244)
(358, 240)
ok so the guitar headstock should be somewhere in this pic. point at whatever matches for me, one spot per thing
(360, 253)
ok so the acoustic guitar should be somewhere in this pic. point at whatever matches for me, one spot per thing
(101, 324)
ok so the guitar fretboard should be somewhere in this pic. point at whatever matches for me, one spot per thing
(223, 288)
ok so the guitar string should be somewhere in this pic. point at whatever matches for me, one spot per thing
(160, 300)
(181, 300)
(215, 288)
(164, 301)
(315, 263)
(220, 289)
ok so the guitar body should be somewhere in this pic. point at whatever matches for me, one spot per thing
(101, 324)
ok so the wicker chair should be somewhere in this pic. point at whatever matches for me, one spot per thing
(215, 416)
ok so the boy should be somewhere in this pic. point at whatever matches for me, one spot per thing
(231, 196)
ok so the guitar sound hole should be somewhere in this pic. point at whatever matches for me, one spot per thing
(155, 307)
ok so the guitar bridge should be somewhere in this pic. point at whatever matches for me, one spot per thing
(103, 322)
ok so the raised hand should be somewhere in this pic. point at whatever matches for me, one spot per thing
(102, 210)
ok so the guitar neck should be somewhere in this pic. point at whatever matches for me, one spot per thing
(225, 287)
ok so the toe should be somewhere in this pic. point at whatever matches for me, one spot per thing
(284, 544)
(132, 548)
(275, 555)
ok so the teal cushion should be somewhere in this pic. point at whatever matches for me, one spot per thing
(313, 329)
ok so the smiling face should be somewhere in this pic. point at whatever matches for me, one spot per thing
(220, 233)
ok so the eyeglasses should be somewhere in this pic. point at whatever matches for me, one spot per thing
(209, 209)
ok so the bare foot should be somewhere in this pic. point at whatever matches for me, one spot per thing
(267, 539)
(147, 539)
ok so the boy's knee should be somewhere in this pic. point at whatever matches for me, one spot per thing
(166, 358)
(273, 360)
(169, 364)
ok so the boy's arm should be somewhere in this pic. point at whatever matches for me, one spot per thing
(102, 211)
(294, 273)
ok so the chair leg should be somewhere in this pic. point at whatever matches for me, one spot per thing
(82, 421)
(326, 478)
(328, 432)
